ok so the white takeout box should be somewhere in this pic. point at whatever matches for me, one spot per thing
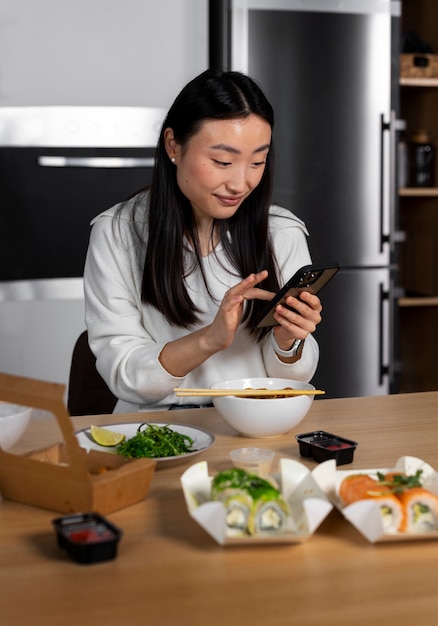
(365, 514)
(308, 503)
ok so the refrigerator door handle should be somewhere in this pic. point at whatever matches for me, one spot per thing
(388, 175)
(395, 127)
(383, 369)
(384, 127)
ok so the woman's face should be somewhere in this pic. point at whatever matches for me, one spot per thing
(221, 164)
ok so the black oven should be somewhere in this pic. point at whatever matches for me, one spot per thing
(59, 167)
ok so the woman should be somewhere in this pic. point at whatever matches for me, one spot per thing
(175, 276)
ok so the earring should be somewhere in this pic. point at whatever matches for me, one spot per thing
(173, 159)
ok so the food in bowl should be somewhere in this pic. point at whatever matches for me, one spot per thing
(263, 417)
(14, 419)
(253, 505)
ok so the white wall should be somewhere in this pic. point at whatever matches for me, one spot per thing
(100, 52)
(86, 52)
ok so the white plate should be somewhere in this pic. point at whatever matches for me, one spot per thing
(203, 439)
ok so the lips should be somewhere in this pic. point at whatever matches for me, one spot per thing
(230, 200)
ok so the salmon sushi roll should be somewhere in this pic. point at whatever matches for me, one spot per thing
(391, 512)
(358, 487)
(399, 481)
(363, 487)
(420, 510)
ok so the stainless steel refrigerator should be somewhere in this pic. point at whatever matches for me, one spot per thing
(330, 70)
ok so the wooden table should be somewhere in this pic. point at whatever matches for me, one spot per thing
(169, 571)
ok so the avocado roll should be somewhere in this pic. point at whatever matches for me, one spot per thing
(238, 507)
(252, 504)
(269, 515)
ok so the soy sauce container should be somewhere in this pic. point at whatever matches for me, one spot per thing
(421, 159)
(323, 446)
(87, 537)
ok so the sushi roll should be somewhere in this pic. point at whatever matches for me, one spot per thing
(253, 505)
(398, 482)
(270, 514)
(238, 507)
(358, 487)
(363, 487)
(391, 511)
(234, 478)
(228, 487)
(420, 510)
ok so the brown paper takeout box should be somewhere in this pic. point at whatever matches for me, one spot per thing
(65, 477)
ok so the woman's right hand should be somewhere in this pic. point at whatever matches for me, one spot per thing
(183, 355)
(223, 328)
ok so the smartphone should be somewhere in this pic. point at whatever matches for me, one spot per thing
(310, 278)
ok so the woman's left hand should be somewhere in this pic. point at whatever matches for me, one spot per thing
(297, 325)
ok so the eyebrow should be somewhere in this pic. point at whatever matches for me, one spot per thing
(227, 148)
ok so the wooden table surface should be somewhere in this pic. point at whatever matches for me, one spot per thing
(169, 571)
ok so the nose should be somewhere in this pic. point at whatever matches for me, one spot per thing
(238, 181)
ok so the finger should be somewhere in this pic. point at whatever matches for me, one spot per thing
(258, 294)
(248, 283)
(298, 328)
(301, 315)
(306, 304)
(311, 299)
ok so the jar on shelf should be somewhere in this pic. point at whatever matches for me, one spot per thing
(421, 159)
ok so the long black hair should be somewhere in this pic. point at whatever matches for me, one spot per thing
(213, 95)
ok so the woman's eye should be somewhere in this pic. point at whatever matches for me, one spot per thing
(221, 163)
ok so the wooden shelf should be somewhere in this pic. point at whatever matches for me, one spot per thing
(417, 301)
(418, 191)
(418, 215)
(419, 82)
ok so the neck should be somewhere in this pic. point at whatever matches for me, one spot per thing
(207, 240)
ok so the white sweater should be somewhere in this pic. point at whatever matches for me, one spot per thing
(127, 336)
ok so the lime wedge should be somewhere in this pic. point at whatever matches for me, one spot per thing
(105, 437)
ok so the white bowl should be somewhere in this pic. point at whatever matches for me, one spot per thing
(262, 417)
(13, 422)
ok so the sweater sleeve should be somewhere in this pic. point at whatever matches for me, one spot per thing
(303, 369)
(125, 343)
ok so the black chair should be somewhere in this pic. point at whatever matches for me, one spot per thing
(88, 394)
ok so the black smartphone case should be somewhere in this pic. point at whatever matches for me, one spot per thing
(310, 278)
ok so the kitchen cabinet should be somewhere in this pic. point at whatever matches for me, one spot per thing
(418, 220)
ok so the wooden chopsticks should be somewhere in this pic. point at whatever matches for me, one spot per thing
(244, 393)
